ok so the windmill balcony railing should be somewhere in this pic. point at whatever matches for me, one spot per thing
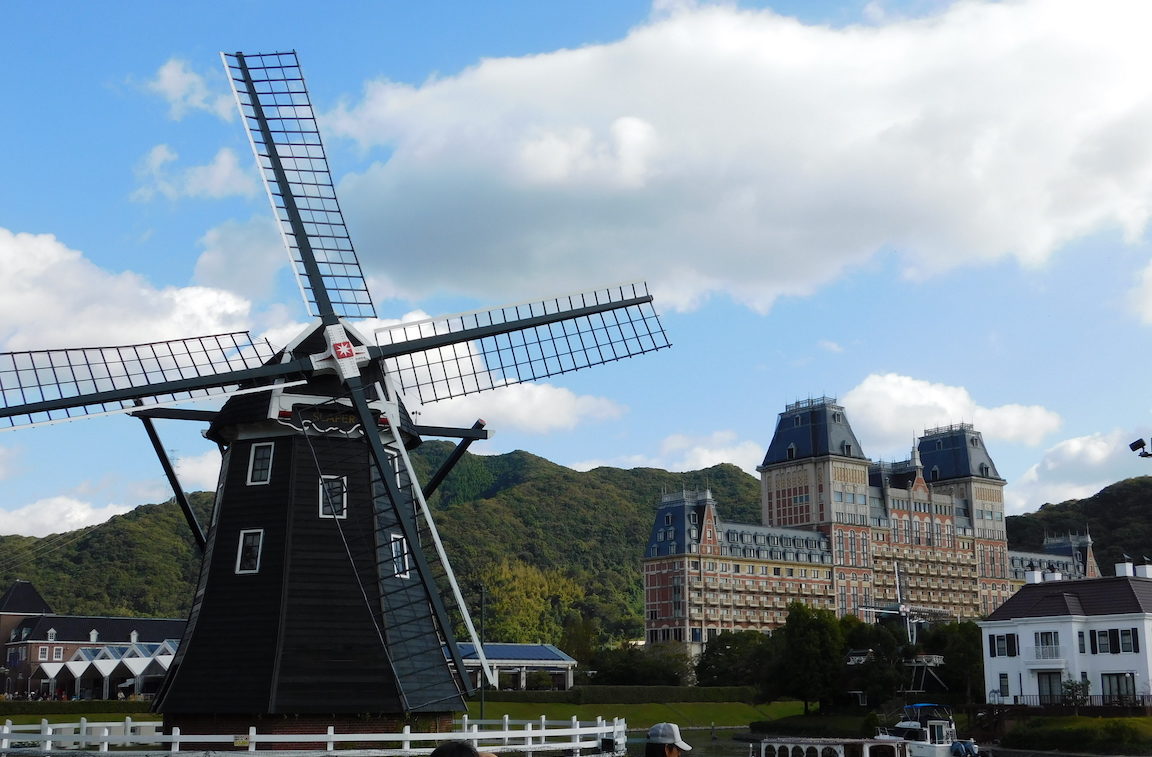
(127, 737)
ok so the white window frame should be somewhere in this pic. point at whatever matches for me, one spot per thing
(42, 654)
(57, 654)
(271, 446)
(342, 512)
(240, 551)
(399, 549)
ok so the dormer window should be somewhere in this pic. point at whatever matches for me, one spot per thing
(51, 634)
(847, 448)
(837, 417)
(935, 473)
(133, 637)
(984, 469)
(974, 442)
(93, 636)
(791, 451)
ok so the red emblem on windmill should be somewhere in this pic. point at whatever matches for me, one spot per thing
(343, 350)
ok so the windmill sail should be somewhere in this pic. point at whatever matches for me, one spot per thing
(277, 111)
(47, 386)
(450, 356)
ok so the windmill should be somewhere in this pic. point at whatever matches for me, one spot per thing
(325, 588)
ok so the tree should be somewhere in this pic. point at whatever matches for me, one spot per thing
(1076, 692)
(653, 665)
(813, 654)
(879, 671)
(526, 604)
(733, 658)
(963, 668)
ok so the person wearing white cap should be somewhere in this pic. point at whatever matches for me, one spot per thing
(664, 741)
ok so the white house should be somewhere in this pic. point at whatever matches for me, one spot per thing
(1052, 630)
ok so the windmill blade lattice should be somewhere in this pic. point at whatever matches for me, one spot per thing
(472, 352)
(47, 386)
(277, 110)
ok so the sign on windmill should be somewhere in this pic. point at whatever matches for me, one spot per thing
(325, 589)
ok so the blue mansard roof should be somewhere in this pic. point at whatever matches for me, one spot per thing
(955, 451)
(675, 531)
(813, 428)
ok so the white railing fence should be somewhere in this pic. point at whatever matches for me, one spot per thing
(568, 737)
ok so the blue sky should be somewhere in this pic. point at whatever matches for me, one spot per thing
(934, 211)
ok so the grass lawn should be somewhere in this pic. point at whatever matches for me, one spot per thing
(639, 716)
(686, 714)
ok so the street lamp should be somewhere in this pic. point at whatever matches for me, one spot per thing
(1139, 448)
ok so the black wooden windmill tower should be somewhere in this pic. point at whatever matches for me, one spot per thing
(325, 591)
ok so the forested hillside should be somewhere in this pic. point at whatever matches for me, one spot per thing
(1119, 518)
(553, 546)
(558, 550)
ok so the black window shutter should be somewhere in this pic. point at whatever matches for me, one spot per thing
(992, 645)
(1011, 639)
(1092, 638)
(1135, 640)
(1114, 640)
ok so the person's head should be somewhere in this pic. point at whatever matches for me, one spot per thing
(455, 749)
(664, 741)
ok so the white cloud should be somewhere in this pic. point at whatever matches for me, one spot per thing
(187, 91)
(682, 452)
(199, 472)
(52, 296)
(242, 257)
(692, 453)
(223, 177)
(830, 346)
(718, 149)
(888, 411)
(535, 408)
(1073, 469)
(54, 515)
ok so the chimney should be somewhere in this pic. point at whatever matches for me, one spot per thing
(1052, 574)
(1144, 571)
(1123, 568)
(1032, 577)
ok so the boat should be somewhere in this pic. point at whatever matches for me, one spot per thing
(928, 730)
(925, 730)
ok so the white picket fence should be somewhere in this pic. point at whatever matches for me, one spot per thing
(524, 737)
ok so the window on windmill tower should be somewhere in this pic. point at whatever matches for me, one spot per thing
(248, 551)
(399, 556)
(333, 497)
(260, 463)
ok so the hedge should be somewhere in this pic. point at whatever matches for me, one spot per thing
(626, 695)
(79, 706)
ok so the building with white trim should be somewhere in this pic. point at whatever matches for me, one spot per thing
(94, 657)
(1054, 630)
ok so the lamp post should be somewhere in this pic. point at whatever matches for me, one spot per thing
(1140, 448)
(483, 677)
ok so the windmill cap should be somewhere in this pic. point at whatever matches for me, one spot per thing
(667, 733)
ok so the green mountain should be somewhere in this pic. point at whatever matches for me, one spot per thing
(552, 546)
(1119, 518)
(558, 551)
